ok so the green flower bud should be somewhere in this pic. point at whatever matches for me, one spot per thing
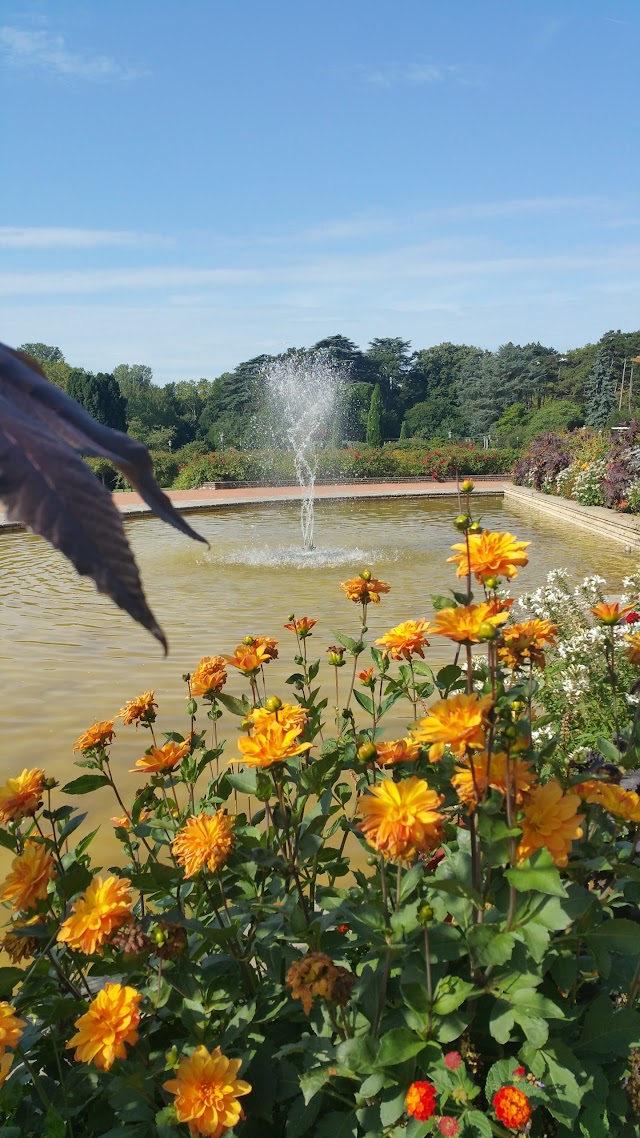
(492, 582)
(367, 752)
(488, 631)
(462, 522)
(425, 914)
(366, 575)
(171, 1058)
(273, 703)
(192, 707)
(372, 860)
(475, 527)
(159, 936)
(248, 640)
(510, 732)
(467, 486)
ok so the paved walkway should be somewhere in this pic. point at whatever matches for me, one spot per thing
(189, 501)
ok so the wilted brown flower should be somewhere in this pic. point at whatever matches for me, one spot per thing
(317, 975)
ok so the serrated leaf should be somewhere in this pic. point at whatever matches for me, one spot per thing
(473, 1124)
(616, 935)
(240, 707)
(440, 602)
(538, 875)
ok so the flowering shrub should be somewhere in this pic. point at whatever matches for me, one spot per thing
(349, 463)
(589, 467)
(433, 934)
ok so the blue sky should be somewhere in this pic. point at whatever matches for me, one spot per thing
(189, 183)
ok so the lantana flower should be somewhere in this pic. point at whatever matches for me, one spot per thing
(420, 1100)
(207, 1089)
(512, 1107)
(109, 1024)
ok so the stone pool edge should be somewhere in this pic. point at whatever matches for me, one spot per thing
(601, 522)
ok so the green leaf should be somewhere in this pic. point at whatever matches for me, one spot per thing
(240, 707)
(501, 1022)
(473, 1124)
(450, 993)
(337, 1124)
(606, 1031)
(353, 646)
(608, 750)
(616, 935)
(410, 881)
(440, 602)
(85, 784)
(393, 1108)
(357, 1055)
(54, 1125)
(72, 825)
(539, 875)
(9, 977)
(397, 1046)
(365, 701)
(245, 781)
(489, 946)
(533, 1003)
(448, 676)
(8, 841)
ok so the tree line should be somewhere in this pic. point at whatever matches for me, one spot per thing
(450, 391)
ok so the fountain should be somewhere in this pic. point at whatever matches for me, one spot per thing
(302, 389)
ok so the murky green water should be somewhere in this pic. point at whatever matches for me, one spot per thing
(69, 657)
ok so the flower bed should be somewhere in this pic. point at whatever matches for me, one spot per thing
(587, 467)
(392, 934)
(347, 465)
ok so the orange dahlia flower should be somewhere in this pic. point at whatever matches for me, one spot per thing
(490, 555)
(302, 626)
(400, 751)
(288, 715)
(205, 841)
(102, 908)
(463, 622)
(522, 774)
(272, 743)
(268, 645)
(159, 759)
(526, 642)
(11, 1028)
(512, 1107)
(460, 722)
(633, 651)
(248, 658)
(97, 736)
(405, 640)
(20, 797)
(207, 1092)
(141, 709)
(366, 677)
(401, 819)
(623, 803)
(550, 822)
(209, 677)
(17, 946)
(110, 1022)
(421, 1100)
(30, 874)
(365, 589)
(611, 613)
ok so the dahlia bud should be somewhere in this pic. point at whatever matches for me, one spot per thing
(372, 860)
(50, 784)
(273, 703)
(248, 640)
(291, 616)
(247, 724)
(462, 522)
(510, 732)
(367, 752)
(492, 582)
(425, 914)
(366, 575)
(475, 527)
(171, 1058)
(192, 707)
(467, 486)
(488, 631)
(159, 936)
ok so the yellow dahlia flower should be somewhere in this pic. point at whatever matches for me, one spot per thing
(20, 797)
(11, 1028)
(550, 822)
(30, 874)
(97, 736)
(460, 722)
(249, 658)
(525, 642)
(273, 743)
(522, 774)
(405, 640)
(140, 709)
(463, 623)
(209, 677)
(110, 1022)
(623, 803)
(159, 759)
(401, 819)
(490, 555)
(204, 841)
(400, 751)
(102, 908)
(207, 1092)
(288, 715)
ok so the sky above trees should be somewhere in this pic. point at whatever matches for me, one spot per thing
(193, 182)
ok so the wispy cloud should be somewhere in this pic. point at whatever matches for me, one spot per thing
(41, 50)
(416, 73)
(52, 237)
